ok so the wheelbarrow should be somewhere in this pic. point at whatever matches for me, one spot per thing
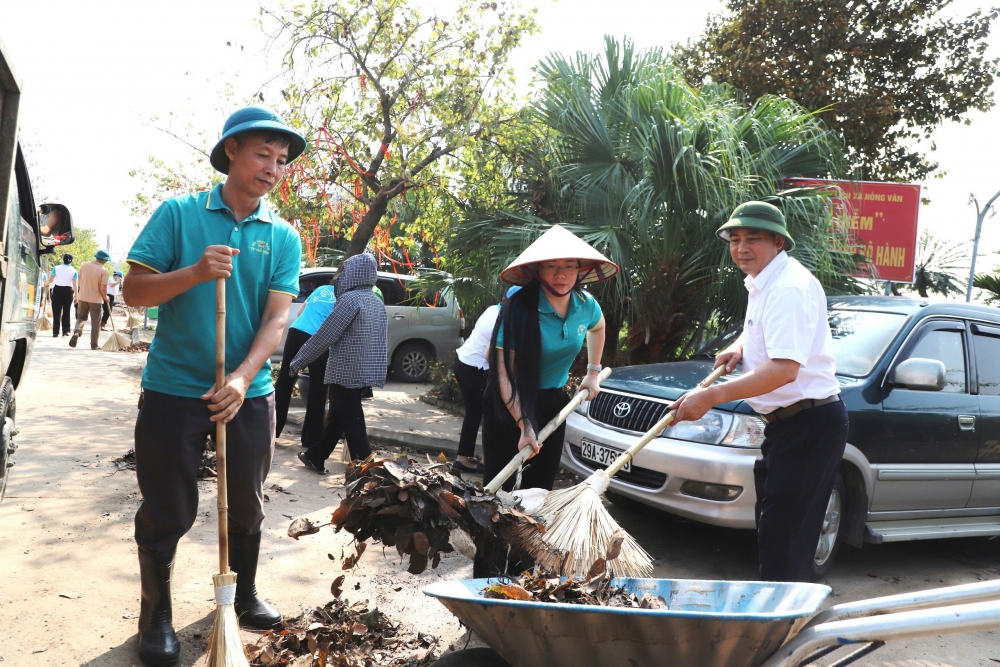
(707, 624)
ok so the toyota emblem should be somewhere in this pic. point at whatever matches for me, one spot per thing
(622, 409)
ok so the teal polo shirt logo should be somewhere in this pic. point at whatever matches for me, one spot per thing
(181, 359)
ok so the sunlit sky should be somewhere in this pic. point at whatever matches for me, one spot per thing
(101, 78)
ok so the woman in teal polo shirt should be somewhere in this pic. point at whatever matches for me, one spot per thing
(538, 334)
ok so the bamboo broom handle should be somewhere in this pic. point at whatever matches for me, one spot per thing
(220, 426)
(546, 431)
(627, 455)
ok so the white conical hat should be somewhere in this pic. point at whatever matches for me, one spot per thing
(559, 243)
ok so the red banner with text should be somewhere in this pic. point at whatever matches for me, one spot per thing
(882, 218)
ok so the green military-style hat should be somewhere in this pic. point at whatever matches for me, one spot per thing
(757, 215)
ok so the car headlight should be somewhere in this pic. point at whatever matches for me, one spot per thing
(710, 429)
(747, 431)
(582, 408)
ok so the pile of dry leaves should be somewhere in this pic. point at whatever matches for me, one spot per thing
(206, 469)
(422, 510)
(342, 635)
(594, 589)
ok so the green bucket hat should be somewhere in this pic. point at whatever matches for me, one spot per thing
(256, 118)
(757, 215)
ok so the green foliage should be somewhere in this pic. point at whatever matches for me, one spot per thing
(990, 284)
(385, 94)
(883, 74)
(645, 168)
(941, 267)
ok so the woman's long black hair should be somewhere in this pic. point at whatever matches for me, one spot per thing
(521, 336)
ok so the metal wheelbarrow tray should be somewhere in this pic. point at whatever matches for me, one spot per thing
(711, 623)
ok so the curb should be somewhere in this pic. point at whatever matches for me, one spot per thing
(391, 438)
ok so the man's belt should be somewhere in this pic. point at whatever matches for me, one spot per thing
(796, 408)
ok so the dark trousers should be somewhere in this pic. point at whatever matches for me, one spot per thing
(62, 304)
(107, 309)
(347, 418)
(472, 382)
(501, 435)
(312, 428)
(794, 478)
(170, 435)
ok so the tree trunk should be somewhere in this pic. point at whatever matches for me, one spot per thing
(366, 228)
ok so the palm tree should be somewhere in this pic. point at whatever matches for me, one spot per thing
(990, 284)
(646, 168)
(940, 267)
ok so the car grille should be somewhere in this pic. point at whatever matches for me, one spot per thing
(641, 415)
(644, 477)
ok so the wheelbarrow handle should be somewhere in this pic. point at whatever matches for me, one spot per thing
(546, 431)
(974, 617)
(936, 597)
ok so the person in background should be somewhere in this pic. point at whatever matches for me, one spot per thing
(470, 371)
(355, 334)
(63, 281)
(114, 289)
(91, 294)
(314, 312)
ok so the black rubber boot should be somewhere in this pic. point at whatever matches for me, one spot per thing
(251, 610)
(158, 645)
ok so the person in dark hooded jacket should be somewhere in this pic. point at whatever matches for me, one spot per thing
(355, 334)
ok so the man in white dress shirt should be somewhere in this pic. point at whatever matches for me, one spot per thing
(788, 378)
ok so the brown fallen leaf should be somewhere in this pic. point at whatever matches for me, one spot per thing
(421, 543)
(463, 543)
(506, 592)
(442, 458)
(359, 629)
(70, 595)
(650, 601)
(302, 526)
(615, 548)
(337, 587)
(598, 569)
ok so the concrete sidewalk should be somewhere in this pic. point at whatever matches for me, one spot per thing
(396, 416)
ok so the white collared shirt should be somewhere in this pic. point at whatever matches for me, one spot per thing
(787, 319)
(473, 351)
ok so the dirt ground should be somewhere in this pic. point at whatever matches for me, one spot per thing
(69, 580)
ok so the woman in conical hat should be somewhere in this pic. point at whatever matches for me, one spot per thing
(538, 334)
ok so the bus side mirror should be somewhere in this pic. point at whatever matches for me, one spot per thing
(55, 226)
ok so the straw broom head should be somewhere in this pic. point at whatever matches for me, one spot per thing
(133, 321)
(225, 645)
(578, 531)
(43, 323)
(117, 341)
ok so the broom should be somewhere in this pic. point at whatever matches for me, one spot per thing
(579, 530)
(116, 342)
(133, 321)
(225, 645)
(44, 323)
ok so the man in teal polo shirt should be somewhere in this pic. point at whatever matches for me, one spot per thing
(190, 241)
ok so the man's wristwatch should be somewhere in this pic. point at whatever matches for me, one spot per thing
(594, 367)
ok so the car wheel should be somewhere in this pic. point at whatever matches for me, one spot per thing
(412, 363)
(829, 536)
(7, 446)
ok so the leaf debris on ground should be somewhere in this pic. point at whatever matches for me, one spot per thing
(422, 510)
(342, 634)
(595, 589)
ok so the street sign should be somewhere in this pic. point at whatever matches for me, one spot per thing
(882, 219)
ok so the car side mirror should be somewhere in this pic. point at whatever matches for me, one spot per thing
(55, 226)
(922, 374)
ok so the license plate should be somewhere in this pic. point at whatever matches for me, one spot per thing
(601, 454)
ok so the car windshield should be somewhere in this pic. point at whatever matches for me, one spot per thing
(859, 339)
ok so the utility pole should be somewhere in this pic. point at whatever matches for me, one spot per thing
(980, 216)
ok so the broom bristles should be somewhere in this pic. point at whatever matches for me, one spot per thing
(578, 531)
(225, 645)
(43, 324)
(116, 342)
